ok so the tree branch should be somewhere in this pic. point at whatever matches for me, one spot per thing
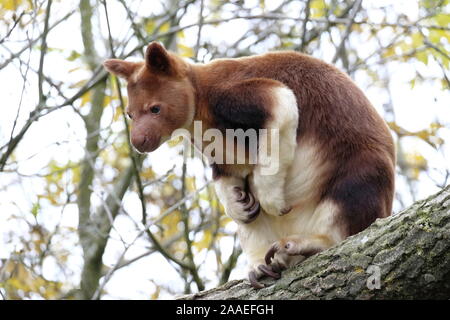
(305, 22)
(42, 98)
(409, 251)
(351, 20)
(33, 42)
(92, 241)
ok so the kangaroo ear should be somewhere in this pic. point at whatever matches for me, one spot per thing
(157, 58)
(120, 68)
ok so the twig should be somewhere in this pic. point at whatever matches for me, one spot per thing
(158, 247)
(135, 169)
(200, 26)
(305, 21)
(102, 74)
(166, 244)
(335, 21)
(135, 27)
(185, 219)
(43, 53)
(160, 179)
(436, 48)
(18, 53)
(133, 159)
(231, 262)
(21, 96)
(110, 40)
(39, 112)
(16, 22)
(348, 29)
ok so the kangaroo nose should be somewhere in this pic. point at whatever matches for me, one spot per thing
(139, 141)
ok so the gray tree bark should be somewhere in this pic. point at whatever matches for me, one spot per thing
(409, 253)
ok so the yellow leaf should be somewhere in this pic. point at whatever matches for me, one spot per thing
(78, 84)
(287, 43)
(404, 47)
(262, 4)
(414, 174)
(170, 223)
(443, 19)
(357, 28)
(434, 126)
(185, 51)
(422, 56)
(74, 69)
(317, 8)
(85, 98)
(107, 100)
(175, 141)
(416, 160)
(76, 175)
(388, 52)
(417, 39)
(436, 35)
(150, 26)
(190, 183)
(167, 190)
(155, 295)
(10, 4)
(165, 27)
(224, 220)
(204, 242)
(147, 174)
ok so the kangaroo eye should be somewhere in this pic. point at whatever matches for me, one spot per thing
(155, 109)
(129, 115)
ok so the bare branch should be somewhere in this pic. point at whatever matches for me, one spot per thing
(305, 22)
(33, 42)
(43, 53)
(16, 22)
(348, 29)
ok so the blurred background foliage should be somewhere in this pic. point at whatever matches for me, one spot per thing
(82, 216)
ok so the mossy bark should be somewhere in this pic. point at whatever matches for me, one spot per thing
(410, 250)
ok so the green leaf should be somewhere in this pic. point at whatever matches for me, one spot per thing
(73, 55)
(35, 209)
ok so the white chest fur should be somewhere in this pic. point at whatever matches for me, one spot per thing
(309, 216)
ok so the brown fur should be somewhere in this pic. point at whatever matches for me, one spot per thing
(334, 114)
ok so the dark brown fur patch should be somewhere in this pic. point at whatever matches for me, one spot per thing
(242, 105)
(363, 188)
